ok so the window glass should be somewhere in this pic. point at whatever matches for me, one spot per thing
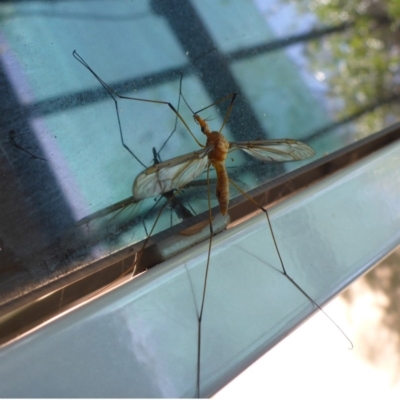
(323, 76)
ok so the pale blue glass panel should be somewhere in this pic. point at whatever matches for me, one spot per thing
(140, 340)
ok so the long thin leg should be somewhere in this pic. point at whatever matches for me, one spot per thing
(170, 199)
(115, 95)
(283, 267)
(176, 120)
(204, 289)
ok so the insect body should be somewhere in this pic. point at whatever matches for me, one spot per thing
(177, 172)
(174, 174)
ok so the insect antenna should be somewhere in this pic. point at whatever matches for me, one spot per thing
(231, 96)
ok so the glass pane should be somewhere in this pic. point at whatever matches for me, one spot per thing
(141, 339)
(298, 74)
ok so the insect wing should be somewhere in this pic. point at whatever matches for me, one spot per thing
(171, 174)
(106, 211)
(279, 150)
(105, 227)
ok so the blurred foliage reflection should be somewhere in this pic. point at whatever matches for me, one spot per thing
(360, 60)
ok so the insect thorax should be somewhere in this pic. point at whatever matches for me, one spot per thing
(220, 146)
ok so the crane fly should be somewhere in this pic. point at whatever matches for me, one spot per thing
(170, 176)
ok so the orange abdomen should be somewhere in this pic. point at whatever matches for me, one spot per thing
(217, 158)
(222, 186)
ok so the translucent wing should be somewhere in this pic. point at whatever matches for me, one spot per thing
(123, 204)
(104, 229)
(109, 222)
(279, 150)
(170, 174)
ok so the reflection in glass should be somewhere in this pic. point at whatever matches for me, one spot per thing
(311, 72)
